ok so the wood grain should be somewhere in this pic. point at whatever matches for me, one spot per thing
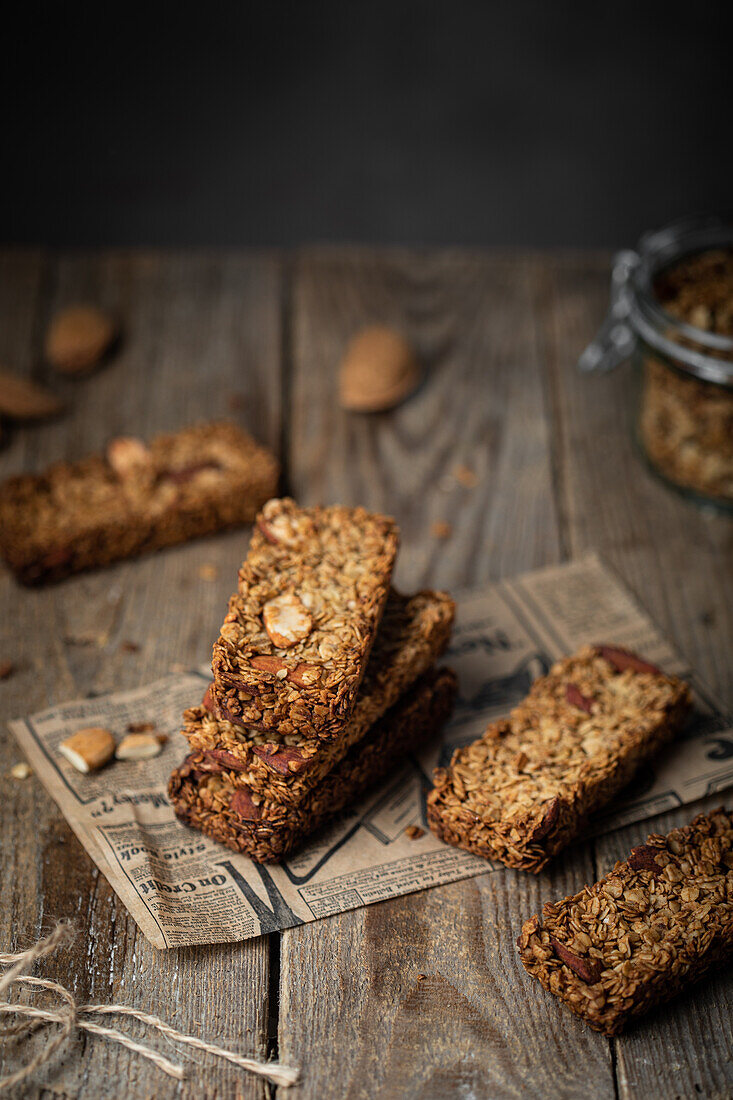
(198, 331)
(421, 996)
(469, 1025)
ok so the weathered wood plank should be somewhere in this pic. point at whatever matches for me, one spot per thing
(678, 560)
(201, 339)
(422, 996)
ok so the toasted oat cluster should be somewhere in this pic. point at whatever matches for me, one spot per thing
(413, 633)
(296, 639)
(651, 927)
(134, 498)
(522, 791)
(268, 831)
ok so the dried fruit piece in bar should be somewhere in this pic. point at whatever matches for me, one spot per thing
(522, 791)
(656, 924)
(267, 833)
(297, 636)
(412, 635)
(134, 498)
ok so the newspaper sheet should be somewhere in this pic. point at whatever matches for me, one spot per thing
(184, 889)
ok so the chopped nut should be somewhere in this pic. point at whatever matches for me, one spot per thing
(88, 749)
(21, 770)
(138, 746)
(286, 621)
(128, 456)
(441, 530)
(130, 647)
(576, 698)
(7, 668)
(414, 832)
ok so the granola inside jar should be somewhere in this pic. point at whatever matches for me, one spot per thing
(672, 313)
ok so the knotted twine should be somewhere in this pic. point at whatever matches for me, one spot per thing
(71, 1017)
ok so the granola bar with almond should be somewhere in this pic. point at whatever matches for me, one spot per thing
(655, 924)
(522, 791)
(412, 635)
(297, 636)
(134, 498)
(268, 832)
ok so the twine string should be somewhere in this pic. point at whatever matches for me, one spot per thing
(71, 1017)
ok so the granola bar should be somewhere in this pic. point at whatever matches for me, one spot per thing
(295, 642)
(653, 926)
(522, 791)
(134, 498)
(413, 633)
(268, 832)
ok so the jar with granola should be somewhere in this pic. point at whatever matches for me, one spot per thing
(672, 313)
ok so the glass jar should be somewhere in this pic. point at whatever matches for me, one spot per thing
(672, 313)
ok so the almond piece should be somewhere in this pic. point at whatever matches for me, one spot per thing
(77, 338)
(127, 456)
(623, 659)
(279, 527)
(21, 770)
(138, 746)
(589, 970)
(286, 621)
(21, 399)
(88, 749)
(378, 370)
(303, 675)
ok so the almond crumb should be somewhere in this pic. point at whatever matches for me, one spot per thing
(208, 572)
(130, 647)
(465, 477)
(140, 727)
(21, 770)
(441, 529)
(414, 832)
(7, 668)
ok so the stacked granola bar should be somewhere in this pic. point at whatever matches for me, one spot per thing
(323, 678)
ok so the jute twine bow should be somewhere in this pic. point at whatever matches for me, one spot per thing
(69, 1017)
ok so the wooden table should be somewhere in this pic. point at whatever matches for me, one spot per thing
(258, 336)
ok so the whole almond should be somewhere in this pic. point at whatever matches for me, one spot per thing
(22, 399)
(78, 337)
(378, 370)
(88, 749)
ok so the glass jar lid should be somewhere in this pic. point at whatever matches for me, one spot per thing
(636, 313)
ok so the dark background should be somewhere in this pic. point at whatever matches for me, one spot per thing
(525, 123)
